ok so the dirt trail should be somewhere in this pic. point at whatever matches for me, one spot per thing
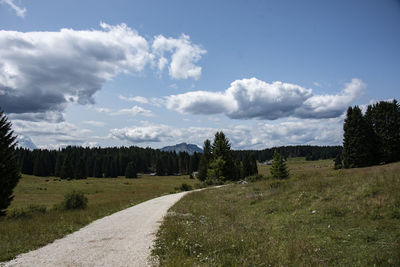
(121, 239)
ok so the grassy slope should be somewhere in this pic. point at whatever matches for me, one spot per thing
(18, 235)
(317, 217)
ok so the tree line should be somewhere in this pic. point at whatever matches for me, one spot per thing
(307, 151)
(373, 137)
(74, 162)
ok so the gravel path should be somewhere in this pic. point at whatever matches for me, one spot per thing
(121, 239)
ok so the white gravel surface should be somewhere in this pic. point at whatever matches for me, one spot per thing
(121, 239)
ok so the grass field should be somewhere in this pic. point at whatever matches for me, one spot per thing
(33, 222)
(318, 216)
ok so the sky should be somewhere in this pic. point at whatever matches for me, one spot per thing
(156, 73)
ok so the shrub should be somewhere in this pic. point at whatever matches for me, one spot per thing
(75, 200)
(276, 184)
(255, 178)
(26, 212)
(185, 187)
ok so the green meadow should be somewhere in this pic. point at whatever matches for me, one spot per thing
(317, 217)
(35, 219)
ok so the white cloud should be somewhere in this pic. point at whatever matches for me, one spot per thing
(253, 98)
(183, 59)
(20, 11)
(95, 123)
(52, 134)
(44, 71)
(26, 142)
(139, 99)
(328, 106)
(258, 136)
(134, 111)
(146, 133)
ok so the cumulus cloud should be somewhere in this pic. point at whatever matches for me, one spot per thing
(134, 111)
(25, 142)
(139, 99)
(183, 59)
(95, 123)
(44, 71)
(54, 135)
(146, 133)
(253, 98)
(20, 11)
(258, 136)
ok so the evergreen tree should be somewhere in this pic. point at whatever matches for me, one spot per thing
(205, 160)
(246, 166)
(358, 151)
(9, 174)
(221, 149)
(130, 170)
(385, 120)
(160, 169)
(278, 168)
(80, 170)
(97, 169)
(338, 162)
(67, 169)
(215, 173)
(253, 165)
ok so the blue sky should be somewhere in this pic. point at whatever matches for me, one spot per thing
(156, 73)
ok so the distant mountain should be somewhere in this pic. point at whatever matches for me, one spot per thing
(183, 147)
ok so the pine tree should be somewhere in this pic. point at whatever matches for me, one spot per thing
(67, 169)
(221, 149)
(80, 170)
(160, 168)
(338, 162)
(358, 151)
(385, 120)
(278, 168)
(130, 170)
(215, 173)
(246, 171)
(205, 160)
(97, 169)
(253, 165)
(9, 174)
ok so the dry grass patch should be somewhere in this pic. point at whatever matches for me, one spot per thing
(317, 217)
(33, 221)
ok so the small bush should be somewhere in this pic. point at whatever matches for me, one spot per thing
(276, 184)
(75, 200)
(18, 213)
(26, 212)
(33, 208)
(254, 178)
(185, 187)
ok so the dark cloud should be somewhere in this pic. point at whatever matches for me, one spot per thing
(44, 71)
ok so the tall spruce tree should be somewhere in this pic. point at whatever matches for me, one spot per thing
(385, 120)
(358, 149)
(67, 169)
(205, 160)
(9, 173)
(278, 168)
(130, 171)
(80, 170)
(221, 152)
